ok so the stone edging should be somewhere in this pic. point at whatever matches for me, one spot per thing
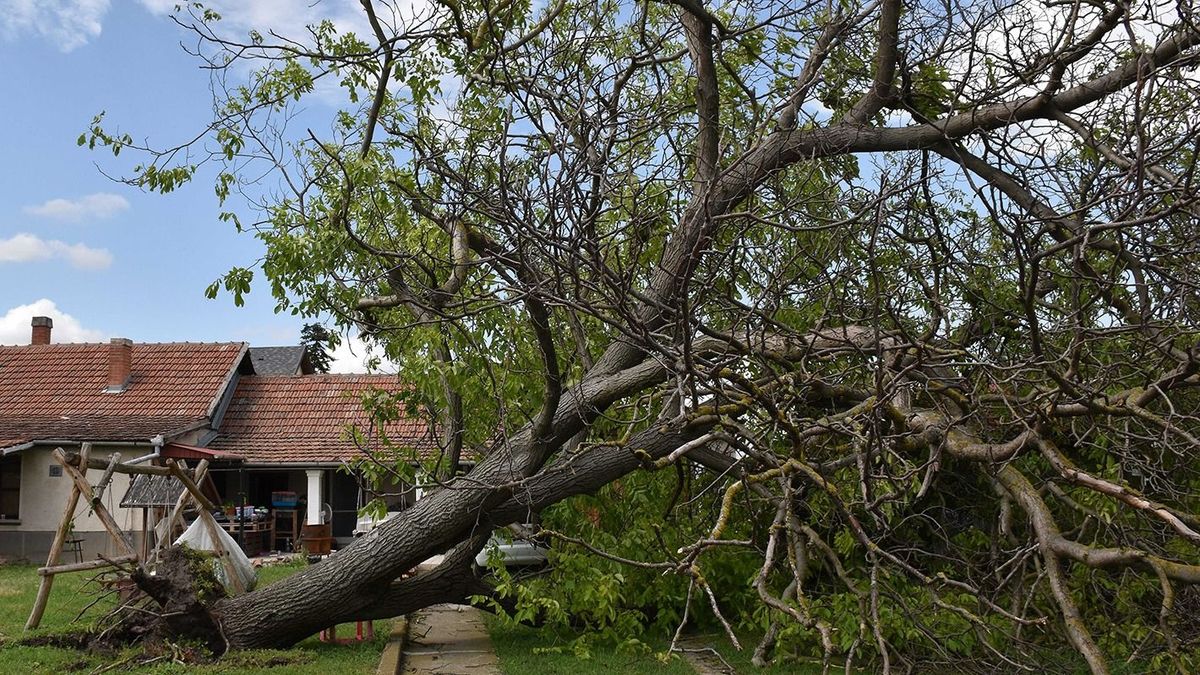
(392, 659)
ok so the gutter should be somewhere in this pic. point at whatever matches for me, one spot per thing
(293, 465)
(310, 465)
(59, 441)
(5, 452)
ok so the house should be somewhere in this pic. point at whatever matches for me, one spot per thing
(289, 433)
(264, 421)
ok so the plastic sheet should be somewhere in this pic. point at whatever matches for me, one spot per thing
(197, 538)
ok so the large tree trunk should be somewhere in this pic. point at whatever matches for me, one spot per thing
(359, 581)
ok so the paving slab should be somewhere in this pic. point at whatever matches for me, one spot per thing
(449, 640)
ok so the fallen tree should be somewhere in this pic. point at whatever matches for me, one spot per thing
(912, 289)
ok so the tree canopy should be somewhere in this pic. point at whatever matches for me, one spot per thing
(867, 327)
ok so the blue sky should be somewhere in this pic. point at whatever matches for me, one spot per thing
(102, 258)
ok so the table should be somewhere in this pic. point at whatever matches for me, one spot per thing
(257, 535)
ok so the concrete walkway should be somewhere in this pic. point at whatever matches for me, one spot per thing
(449, 640)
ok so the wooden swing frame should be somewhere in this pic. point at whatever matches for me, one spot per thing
(76, 467)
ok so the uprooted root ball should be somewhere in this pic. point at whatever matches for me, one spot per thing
(176, 606)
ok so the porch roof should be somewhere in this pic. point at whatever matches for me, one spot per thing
(182, 451)
(147, 491)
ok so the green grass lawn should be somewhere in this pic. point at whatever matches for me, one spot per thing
(523, 651)
(18, 586)
(529, 651)
(785, 664)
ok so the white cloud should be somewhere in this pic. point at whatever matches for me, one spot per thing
(69, 24)
(15, 328)
(25, 247)
(352, 355)
(95, 206)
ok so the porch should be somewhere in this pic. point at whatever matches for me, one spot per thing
(260, 517)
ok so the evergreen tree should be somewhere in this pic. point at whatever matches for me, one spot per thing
(317, 342)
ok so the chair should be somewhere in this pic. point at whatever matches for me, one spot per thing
(75, 546)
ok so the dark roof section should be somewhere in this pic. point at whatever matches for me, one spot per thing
(304, 420)
(146, 491)
(279, 360)
(56, 392)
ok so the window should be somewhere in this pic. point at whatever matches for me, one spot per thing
(10, 488)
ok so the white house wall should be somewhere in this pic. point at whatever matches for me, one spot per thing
(43, 498)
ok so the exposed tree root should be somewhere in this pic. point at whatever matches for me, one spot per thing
(175, 607)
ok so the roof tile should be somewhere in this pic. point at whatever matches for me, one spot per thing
(57, 391)
(305, 419)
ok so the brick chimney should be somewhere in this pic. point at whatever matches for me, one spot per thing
(120, 354)
(41, 330)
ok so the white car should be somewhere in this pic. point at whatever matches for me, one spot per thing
(516, 553)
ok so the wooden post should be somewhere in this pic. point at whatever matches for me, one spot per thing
(60, 535)
(113, 461)
(145, 547)
(211, 525)
(85, 490)
(97, 463)
(189, 485)
(192, 490)
(214, 531)
(87, 565)
(180, 504)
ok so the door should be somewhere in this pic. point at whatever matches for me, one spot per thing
(343, 498)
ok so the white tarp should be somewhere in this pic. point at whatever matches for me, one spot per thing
(197, 538)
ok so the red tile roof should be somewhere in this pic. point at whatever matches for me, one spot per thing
(304, 419)
(56, 392)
